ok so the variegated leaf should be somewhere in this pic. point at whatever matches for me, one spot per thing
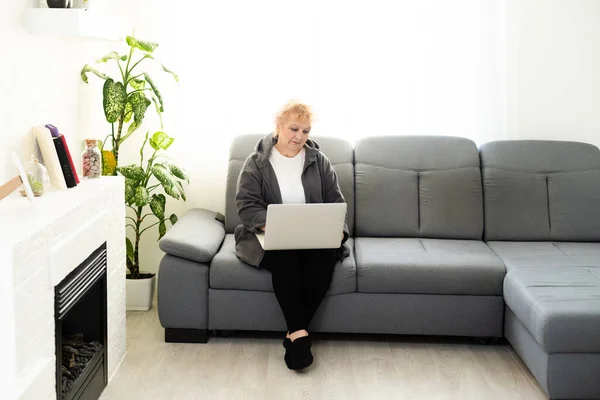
(138, 84)
(130, 186)
(178, 172)
(173, 219)
(141, 196)
(140, 104)
(113, 55)
(157, 205)
(161, 140)
(163, 175)
(128, 112)
(141, 44)
(155, 91)
(162, 229)
(171, 191)
(133, 172)
(181, 191)
(114, 100)
(162, 66)
(86, 68)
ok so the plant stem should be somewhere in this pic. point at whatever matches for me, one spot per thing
(134, 77)
(146, 215)
(139, 61)
(121, 69)
(148, 166)
(116, 142)
(127, 70)
(137, 90)
(135, 274)
(148, 227)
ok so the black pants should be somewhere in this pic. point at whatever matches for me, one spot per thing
(301, 279)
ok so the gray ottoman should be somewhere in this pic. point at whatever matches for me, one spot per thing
(552, 320)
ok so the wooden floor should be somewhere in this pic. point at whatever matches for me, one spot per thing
(359, 368)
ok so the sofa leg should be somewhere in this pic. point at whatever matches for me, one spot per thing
(179, 335)
(224, 333)
(494, 341)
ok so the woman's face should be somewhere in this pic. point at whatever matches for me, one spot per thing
(293, 134)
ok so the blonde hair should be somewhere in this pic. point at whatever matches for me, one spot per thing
(292, 108)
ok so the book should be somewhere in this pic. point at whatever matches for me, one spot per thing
(53, 130)
(66, 146)
(50, 156)
(63, 158)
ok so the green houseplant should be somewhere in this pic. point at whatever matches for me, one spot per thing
(126, 98)
(143, 197)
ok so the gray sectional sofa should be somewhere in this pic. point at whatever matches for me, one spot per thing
(447, 238)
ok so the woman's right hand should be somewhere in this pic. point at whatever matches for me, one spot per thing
(262, 228)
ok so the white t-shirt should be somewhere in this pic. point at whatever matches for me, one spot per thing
(289, 175)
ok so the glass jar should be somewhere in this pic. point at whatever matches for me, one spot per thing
(38, 177)
(91, 159)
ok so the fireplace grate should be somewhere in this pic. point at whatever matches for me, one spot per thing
(81, 330)
(71, 290)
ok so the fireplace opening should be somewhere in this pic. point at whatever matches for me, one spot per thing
(81, 330)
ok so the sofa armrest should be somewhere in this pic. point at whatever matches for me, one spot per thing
(197, 236)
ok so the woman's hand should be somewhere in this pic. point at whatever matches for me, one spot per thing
(262, 228)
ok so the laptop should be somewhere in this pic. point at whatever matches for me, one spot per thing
(303, 226)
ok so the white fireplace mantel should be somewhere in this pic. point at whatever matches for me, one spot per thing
(40, 243)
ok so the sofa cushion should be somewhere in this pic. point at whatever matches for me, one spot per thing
(228, 272)
(547, 254)
(197, 236)
(339, 152)
(418, 186)
(559, 306)
(427, 266)
(541, 190)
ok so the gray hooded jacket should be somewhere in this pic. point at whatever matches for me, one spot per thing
(257, 187)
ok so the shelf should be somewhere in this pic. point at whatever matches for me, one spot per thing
(74, 23)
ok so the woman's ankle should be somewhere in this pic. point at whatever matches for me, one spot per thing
(298, 334)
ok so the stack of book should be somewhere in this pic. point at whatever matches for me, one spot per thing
(57, 157)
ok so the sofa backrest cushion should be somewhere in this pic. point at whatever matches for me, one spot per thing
(541, 190)
(418, 186)
(338, 151)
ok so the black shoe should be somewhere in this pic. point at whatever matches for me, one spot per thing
(298, 356)
(287, 343)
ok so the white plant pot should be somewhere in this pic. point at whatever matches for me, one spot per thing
(140, 293)
(82, 4)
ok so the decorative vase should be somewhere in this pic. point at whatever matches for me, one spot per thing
(38, 177)
(59, 3)
(140, 293)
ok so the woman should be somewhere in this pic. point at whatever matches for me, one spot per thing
(288, 167)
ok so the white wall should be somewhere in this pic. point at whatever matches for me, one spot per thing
(403, 67)
(40, 83)
(554, 69)
(237, 68)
